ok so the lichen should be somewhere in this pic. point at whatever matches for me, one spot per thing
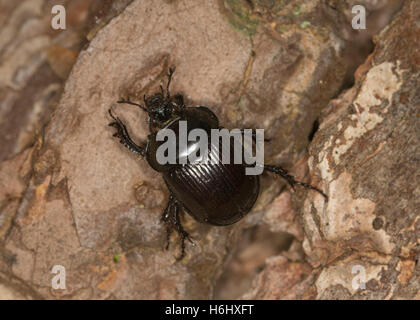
(240, 17)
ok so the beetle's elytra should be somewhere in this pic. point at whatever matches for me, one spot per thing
(218, 194)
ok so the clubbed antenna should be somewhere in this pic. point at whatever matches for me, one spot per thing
(170, 74)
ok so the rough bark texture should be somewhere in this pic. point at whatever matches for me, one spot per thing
(35, 60)
(367, 155)
(80, 200)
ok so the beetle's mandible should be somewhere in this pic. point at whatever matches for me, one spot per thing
(218, 194)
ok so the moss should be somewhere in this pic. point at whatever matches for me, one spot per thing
(283, 27)
(296, 10)
(305, 24)
(272, 5)
(240, 16)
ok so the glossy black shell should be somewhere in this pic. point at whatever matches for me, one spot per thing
(214, 193)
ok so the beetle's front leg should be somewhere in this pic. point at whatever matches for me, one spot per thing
(125, 139)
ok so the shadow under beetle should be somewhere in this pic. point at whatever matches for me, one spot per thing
(218, 194)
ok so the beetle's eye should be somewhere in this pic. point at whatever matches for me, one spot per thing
(162, 113)
(167, 112)
(155, 100)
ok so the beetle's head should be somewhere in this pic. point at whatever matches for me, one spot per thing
(161, 107)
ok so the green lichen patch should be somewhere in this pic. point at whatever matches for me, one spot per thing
(240, 16)
(305, 24)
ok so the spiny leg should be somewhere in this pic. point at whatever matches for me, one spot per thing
(291, 180)
(182, 233)
(166, 218)
(122, 134)
(171, 217)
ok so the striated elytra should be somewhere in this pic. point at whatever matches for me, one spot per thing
(214, 193)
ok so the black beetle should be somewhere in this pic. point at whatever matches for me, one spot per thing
(218, 194)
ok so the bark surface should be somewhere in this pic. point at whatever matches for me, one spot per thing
(78, 199)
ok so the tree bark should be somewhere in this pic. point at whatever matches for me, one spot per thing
(78, 199)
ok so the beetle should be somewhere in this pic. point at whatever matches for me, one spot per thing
(217, 194)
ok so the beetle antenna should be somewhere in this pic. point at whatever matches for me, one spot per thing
(127, 101)
(170, 74)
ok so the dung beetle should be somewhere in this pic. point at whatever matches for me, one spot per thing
(218, 194)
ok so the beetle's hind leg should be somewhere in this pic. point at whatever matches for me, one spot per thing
(182, 233)
(291, 180)
(171, 217)
(167, 219)
(124, 137)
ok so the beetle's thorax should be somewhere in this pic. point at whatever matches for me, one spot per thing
(155, 125)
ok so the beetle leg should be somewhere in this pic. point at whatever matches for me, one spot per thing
(291, 180)
(166, 215)
(182, 233)
(171, 217)
(125, 139)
